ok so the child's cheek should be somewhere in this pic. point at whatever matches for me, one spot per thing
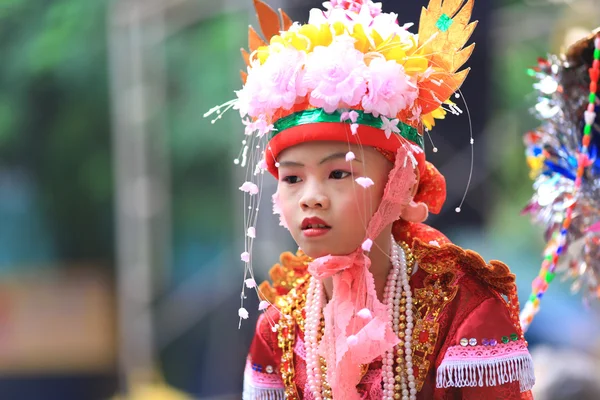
(279, 209)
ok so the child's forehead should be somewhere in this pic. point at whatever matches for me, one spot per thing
(320, 148)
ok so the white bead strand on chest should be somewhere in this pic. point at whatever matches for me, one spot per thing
(388, 297)
(411, 393)
(313, 321)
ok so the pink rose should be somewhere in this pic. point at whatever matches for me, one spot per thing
(276, 84)
(354, 6)
(335, 75)
(389, 89)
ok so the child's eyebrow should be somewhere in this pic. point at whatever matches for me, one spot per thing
(335, 156)
(290, 164)
(330, 157)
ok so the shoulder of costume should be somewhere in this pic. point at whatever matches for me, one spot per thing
(436, 254)
(482, 351)
(437, 258)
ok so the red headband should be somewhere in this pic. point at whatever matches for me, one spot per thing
(432, 185)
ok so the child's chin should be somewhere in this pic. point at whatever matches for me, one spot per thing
(315, 253)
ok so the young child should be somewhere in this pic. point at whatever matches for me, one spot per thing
(376, 304)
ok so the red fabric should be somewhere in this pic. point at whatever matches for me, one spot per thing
(478, 313)
(432, 188)
(475, 310)
(333, 131)
(407, 232)
(264, 350)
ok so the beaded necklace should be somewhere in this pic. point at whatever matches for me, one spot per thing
(398, 299)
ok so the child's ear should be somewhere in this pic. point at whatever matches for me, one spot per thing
(415, 212)
(415, 186)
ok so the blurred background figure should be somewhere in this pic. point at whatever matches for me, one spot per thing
(119, 209)
(564, 374)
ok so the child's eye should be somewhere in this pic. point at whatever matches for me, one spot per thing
(291, 179)
(339, 174)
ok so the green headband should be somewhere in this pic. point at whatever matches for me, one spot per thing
(317, 115)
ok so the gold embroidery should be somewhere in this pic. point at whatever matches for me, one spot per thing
(439, 289)
(291, 307)
(285, 276)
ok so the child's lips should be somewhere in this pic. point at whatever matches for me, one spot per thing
(313, 223)
(314, 227)
(315, 232)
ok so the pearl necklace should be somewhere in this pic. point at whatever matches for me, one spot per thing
(314, 305)
(398, 299)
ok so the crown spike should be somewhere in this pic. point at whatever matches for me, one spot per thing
(287, 21)
(268, 19)
(245, 56)
(254, 40)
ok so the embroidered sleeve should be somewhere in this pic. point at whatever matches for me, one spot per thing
(487, 358)
(261, 376)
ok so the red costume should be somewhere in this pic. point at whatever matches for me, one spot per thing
(447, 326)
(458, 296)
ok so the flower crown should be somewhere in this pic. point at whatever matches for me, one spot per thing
(353, 63)
(351, 74)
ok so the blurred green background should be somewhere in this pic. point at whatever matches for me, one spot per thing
(120, 219)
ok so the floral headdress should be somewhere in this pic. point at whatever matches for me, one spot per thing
(353, 63)
(352, 74)
(563, 157)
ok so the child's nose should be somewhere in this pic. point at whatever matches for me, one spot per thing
(314, 197)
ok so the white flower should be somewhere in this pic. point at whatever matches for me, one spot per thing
(365, 181)
(243, 313)
(390, 126)
(365, 313)
(249, 187)
(260, 126)
(245, 256)
(386, 25)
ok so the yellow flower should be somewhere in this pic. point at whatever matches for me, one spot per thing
(377, 39)
(317, 36)
(391, 48)
(416, 61)
(262, 53)
(362, 43)
(429, 119)
(339, 28)
(306, 38)
(403, 52)
(300, 42)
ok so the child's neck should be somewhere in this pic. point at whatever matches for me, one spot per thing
(380, 265)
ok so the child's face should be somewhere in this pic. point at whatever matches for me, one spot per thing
(316, 181)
